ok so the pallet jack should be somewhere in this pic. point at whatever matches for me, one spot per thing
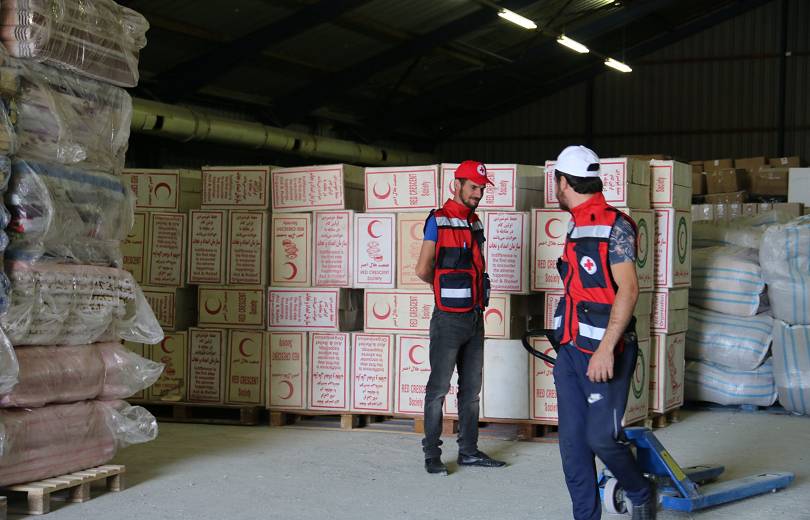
(678, 489)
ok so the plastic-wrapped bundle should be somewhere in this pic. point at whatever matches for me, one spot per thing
(67, 374)
(5, 217)
(785, 259)
(70, 120)
(45, 442)
(704, 381)
(727, 279)
(99, 39)
(8, 136)
(738, 343)
(61, 304)
(66, 213)
(9, 367)
(791, 362)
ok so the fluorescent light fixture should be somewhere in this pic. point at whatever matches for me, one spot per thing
(572, 44)
(615, 64)
(516, 19)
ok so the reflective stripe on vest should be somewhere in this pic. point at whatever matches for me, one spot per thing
(456, 293)
(591, 232)
(592, 332)
(451, 222)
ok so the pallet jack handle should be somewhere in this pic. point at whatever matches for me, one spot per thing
(549, 335)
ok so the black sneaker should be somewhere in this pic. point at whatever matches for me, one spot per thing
(480, 459)
(434, 465)
(645, 511)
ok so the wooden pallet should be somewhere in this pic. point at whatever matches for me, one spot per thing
(77, 484)
(200, 413)
(665, 419)
(3, 508)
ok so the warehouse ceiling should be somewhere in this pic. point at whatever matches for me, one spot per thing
(406, 70)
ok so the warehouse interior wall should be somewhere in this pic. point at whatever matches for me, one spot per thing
(715, 94)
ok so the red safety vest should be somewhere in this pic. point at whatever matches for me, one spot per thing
(458, 279)
(583, 313)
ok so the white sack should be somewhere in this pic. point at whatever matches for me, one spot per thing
(727, 279)
(705, 381)
(738, 343)
(791, 362)
(785, 259)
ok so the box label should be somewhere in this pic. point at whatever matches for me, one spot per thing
(153, 190)
(206, 352)
(292, 257)
(374, 250)
(645, 269)
(638, 397)
(133, 249)
(549, 231)
(544, 393)
(246, 367)
(236, 187)
(206, 247)
(410, 233)
(247, 248)
(402, 189)
(329, 371)
(398, 311)
(673, 248)
(307, 189)
(413, 371)
(231, 308)
(333, 244)
(171, 386)
(163, 304)
(501, 195)
(551, 301)
(288, 378)
(167, 251)
(615, 182)
(496, 317)
(372, 364)
(666, 371)
(315, 309)
(507, 250)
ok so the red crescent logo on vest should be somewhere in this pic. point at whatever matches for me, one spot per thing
(162, 185)
(371, 228)
(548, 228)
(378, 315)
(290, 390)
(588, 264)
(242, 347)
(293, 270)
(209, 310)
(414, 231)
(382, 196)
(410, 354)
(496, 312)
(163, 346)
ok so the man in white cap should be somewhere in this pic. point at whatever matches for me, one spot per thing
(595, 328)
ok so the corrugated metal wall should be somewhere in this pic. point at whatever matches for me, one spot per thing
(711, 95)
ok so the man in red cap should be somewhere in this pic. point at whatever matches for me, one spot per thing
(452, 262)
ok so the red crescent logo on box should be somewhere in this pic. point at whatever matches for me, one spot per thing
(290, 390)
(371, 228)
(410, 354)
(382, 196)
(242, 347)
(293, 271)
(378, 315)
(496, 312)
(549, 351)
(548, 228)
(163, 346)
(165, 186)
(452, 186)
(211, 311)
(414, 233)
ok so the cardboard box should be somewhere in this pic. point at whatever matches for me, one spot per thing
(785, 162)
(717, 164)
(410, 233)
(638, 397)
(670, 313)
(673, 248)
(329, 371)
(287, 371)
(134, 248)
(737, 197)
(516, 187)
(724, 180)
(749, 210)
(505, 388)
(551, 299)
(321, 309)
(231, 308)
(402, 188)
(666, 371)
(206, 247)
(246, 367)
(698, 183)
(770, 181)
(671, 185)
(164, 190)
(375, 250)
(172, 352)
(626, 183)
(166, 253)
(205, 369)
(549, 228)
(333, 262)
(645, 268)
(248, 248)
(397, 311)
(697, 166)
(324, 187)
(643, 327)
(175, 309)
(143, 351)
(507, 250)
(799, 185)
(751, 165)
(543, 391)
(291, 264)
(413, 371)
(372, 373)
(509, 316)
(644, 304)
(236, 187)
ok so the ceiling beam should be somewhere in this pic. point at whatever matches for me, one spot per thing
(318, 93)
(186, 78)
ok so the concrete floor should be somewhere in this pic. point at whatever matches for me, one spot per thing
(221, 472)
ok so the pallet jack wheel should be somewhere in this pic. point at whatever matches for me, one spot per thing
(613, 498)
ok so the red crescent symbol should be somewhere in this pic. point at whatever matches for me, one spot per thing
(639, 373)
(378, 315)
(290, 390)
(163, 185)
(242, 347)
(452, 186)
(548, 352)
(548, 227)
(414, 228)
(496, 312)
(214, 311)
(410, 354)
(371, 228)
(163, 346)
(293, 270)
(381, 196)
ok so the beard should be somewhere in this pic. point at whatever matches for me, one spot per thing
(471, 202)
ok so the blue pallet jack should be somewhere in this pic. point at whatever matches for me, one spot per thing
(678, 489)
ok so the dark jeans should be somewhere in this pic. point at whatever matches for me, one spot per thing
(590, 416)
(455, 339)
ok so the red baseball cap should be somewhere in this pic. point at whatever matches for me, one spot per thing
(473, 170)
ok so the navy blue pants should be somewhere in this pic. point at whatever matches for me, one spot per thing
(590, 423)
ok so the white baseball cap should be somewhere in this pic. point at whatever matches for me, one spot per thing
(578, 161)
